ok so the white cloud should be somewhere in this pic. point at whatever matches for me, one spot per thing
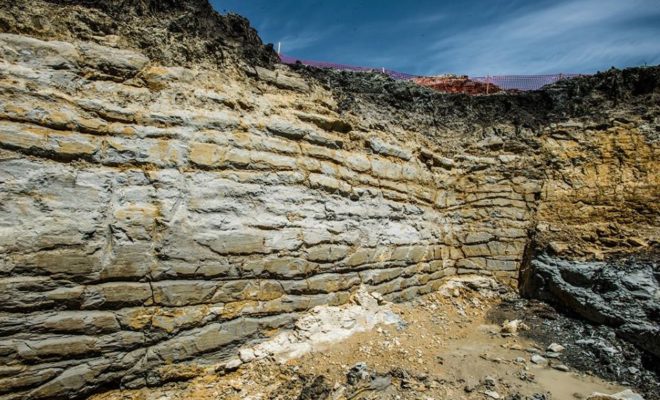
(305, 39)
(565, 37)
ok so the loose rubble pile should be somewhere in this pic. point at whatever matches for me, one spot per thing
(321, 327)
(592, 348)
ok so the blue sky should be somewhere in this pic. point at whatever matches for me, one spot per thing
(475, 37)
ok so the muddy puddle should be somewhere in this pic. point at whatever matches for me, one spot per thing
(479, 355)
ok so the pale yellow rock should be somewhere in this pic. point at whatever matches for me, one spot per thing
(206, 154)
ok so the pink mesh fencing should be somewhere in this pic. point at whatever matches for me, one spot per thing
(506, 82)
(343, 67)
(522, 82)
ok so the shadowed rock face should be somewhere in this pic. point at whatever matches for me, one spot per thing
(173, 32)
(167, 195)
(405, 103)
(140, 7)
(623, 293)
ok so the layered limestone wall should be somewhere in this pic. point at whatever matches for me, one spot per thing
(158, 215)
(155, 218)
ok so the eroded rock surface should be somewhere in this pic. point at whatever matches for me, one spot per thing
(622, 293)
(173, 32)
(168, 195)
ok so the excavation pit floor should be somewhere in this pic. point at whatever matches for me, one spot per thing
(452, 345)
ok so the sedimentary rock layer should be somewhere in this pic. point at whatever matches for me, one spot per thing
(155, 214)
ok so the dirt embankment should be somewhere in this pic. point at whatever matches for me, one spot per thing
(457, 84)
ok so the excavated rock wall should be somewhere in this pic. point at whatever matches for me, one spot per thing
(157, 215)
(601, 196)
(592, 144)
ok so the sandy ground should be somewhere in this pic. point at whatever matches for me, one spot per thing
(445, 347)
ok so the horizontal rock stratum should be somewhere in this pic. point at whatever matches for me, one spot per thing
(168, 195)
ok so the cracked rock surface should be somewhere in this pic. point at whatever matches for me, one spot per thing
(622, 293)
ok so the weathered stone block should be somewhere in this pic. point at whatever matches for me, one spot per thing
(27, 380)
(114, 63)
(159, 77)
(284, 239)
(503, 265)
(30, 51)
(324, 139)
(506, 248)
(129, 261)
(478, 237)
(386, 169)
(472, 263)
(360, 257)
(286, 129)
(264, 160)
(288, 267)
(332, 283)
(327, 253)
(409, 254)
(477, 250)
(375, 277)
(72, 263)
(116, 294)
(328, 183)
(281, 80)
(235, 243)
(164, 153)
(381, 147)
(357, 162)
(88, 322)
(57, 348)
(183, 293)
(207, 154)
(325, 122)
